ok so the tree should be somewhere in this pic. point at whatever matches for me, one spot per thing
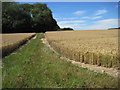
(42, 18)
(15, 19)
(64, 29)
(27, 18)
(6, 17)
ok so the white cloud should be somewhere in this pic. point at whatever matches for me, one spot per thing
(100, 24)
(83, 25)
(103, 24)
(108, 21)
(85, 17)
(68, 18)
(56, 18)
(97, 17)
(79, 12)
(77, 21)
(73, 24)
(71, 18)
(99, 12)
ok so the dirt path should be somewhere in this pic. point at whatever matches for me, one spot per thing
(111, 71)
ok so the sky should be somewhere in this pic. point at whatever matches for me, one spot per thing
(62, 0)
(85, 15)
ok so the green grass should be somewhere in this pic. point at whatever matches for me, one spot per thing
(35, 66)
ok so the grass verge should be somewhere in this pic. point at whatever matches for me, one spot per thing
(35, 66)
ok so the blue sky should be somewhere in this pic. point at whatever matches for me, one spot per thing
(63, 0)
(85, 15)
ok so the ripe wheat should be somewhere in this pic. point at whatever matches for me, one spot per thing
(97, 47)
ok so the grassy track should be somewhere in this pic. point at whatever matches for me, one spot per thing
(35, 66)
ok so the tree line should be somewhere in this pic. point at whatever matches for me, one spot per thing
(65, 29)
(113, 28)
(25, 18)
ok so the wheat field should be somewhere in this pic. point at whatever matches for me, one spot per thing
(8, 39)
(12, 41)
(97, 47)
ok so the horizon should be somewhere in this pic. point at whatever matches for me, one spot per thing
(84, 15)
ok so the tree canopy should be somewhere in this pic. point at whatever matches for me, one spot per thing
(113, 28)
(27, 18)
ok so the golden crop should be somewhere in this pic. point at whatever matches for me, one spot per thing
(97, 47)
(12, 41)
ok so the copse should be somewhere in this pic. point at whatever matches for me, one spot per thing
(42, 18)
(14, 18)
(113, 28)
(64, 29)
(25, 18)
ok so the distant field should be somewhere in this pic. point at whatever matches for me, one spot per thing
(97, 47)
(12, 41)
(8, 39)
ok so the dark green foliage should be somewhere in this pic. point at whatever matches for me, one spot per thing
(113, 28)
(27, 18)
(64, 29)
